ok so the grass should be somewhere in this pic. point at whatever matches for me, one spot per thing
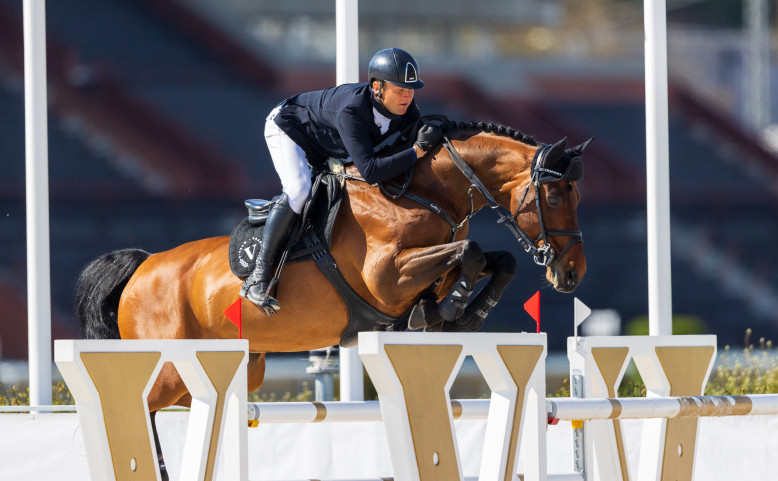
(305, 395)
(20, 395)
(753, 371)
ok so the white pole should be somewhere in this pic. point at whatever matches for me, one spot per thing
(660, 306)
(347, 71)
(347, 41)
(37, 182)
(757, 63)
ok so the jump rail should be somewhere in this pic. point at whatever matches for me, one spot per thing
(572, 409)
(559, 409)
(346, 411)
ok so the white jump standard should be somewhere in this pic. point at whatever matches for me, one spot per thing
(413, 373)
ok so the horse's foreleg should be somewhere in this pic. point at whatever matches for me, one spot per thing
(473, 263)
(501, 265)
(423, 266)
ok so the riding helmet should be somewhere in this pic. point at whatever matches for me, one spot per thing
(395, 66)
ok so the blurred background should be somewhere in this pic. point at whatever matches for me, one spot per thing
(157, 108)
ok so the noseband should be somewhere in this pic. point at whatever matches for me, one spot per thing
(544, 254)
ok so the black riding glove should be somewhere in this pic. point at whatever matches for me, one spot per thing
(428, 137)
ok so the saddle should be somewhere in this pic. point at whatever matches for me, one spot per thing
(311, 239)
(319, 215)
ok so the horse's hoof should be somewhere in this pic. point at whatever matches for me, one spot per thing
(416, 318)
(436, 327)
(470, 322)
(424, 314)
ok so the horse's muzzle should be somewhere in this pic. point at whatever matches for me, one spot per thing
(564, 275)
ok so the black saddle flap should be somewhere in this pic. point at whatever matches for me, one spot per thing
(244, 246)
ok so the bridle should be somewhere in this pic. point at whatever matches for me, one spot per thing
(543, 254)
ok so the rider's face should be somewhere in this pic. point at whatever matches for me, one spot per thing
(395, 99)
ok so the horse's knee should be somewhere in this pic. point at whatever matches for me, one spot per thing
(472, 255)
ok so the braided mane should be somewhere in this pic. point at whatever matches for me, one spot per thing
(491, 127)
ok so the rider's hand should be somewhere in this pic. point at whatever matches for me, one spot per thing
(429, 136)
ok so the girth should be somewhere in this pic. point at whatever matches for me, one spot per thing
(361, 315)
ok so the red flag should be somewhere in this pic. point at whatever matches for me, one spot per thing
(532, 306)
(233, 314)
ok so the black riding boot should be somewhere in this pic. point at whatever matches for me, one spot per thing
(278, 226)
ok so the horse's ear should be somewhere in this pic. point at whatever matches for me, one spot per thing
(579, 149)
(557, 150)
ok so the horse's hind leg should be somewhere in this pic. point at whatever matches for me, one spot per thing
(160, 459)
(255, 374)
(255, 371)
(501, 265)
(169, 378)
(167, 389)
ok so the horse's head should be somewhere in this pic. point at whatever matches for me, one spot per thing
(550, 216)
(532, 188)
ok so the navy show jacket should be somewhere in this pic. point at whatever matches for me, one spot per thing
(339, 122)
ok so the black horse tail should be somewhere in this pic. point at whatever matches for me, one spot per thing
(99, 288)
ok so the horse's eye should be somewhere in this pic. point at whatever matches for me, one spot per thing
(554, 200)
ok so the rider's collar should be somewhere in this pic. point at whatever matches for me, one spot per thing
(382, 109)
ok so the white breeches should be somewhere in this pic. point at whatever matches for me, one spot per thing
(290, 162)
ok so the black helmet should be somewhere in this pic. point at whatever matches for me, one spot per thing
(396, 66)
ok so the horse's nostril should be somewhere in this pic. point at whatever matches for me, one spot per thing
(571, 278)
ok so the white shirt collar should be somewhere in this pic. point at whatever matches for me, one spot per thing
(381, 121)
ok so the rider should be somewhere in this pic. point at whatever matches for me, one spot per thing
(347, 121)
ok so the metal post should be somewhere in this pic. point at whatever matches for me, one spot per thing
(347, 71)
(324, 365)
(37, 183)
(347, 41)
(579, 458)
(660, 308)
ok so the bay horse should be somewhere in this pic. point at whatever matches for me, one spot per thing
(390, 251)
